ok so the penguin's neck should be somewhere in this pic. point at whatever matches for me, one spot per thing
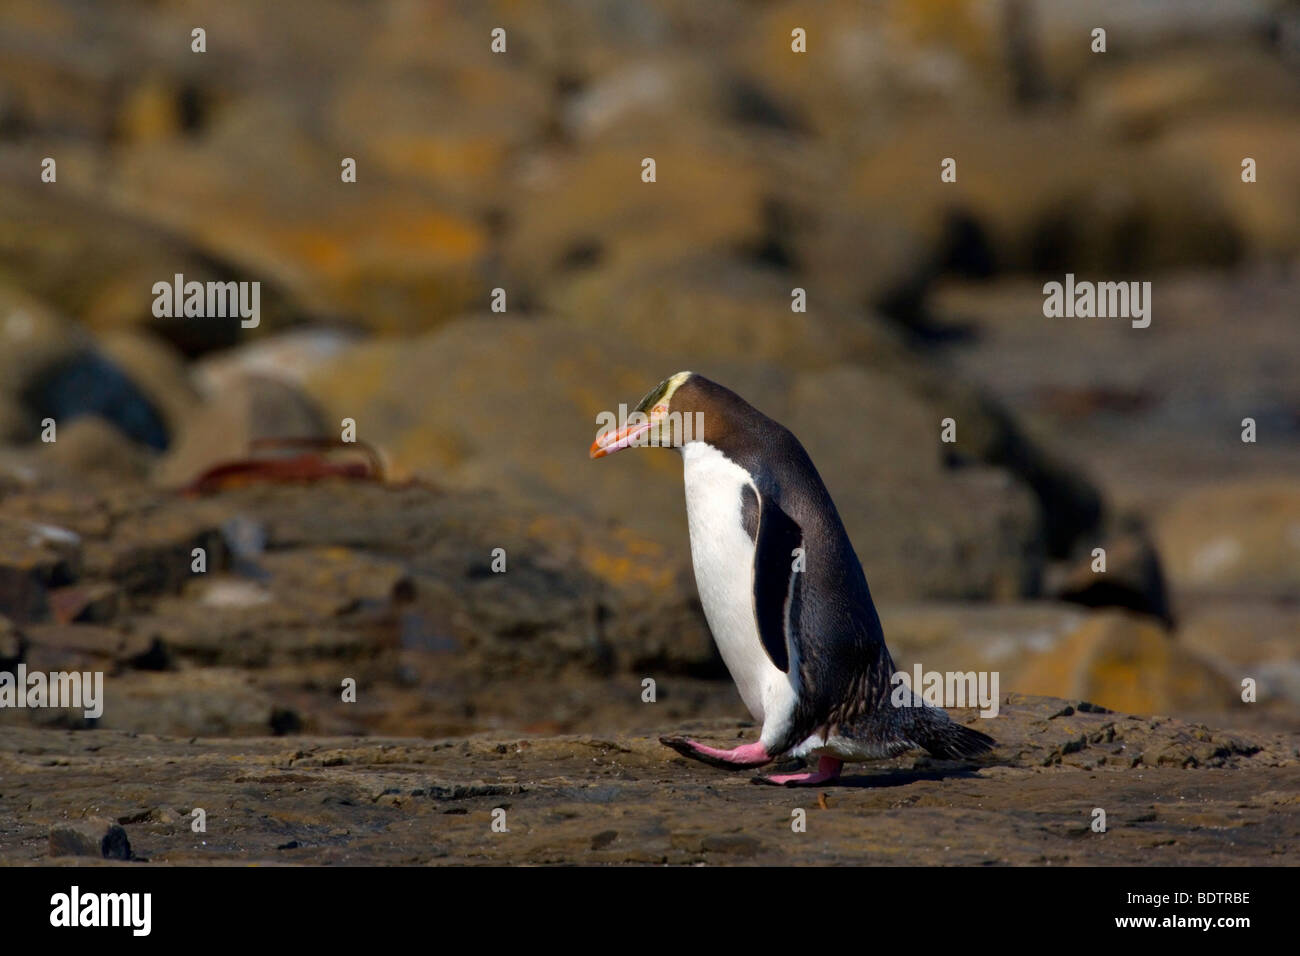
(709, 472)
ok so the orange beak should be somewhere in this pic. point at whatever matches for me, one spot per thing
(609, 442)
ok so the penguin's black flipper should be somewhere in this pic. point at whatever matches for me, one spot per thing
(777, 585)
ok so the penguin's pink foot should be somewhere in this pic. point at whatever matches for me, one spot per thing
(738, 758)
(828, 769)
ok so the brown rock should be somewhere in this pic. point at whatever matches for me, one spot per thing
(1131, 665)
(212, 702)
(1181, 88)
(959, 637)
(1239, 538)
(438, 128)
(34, 558)
(1063, 31)
(1249, 638)
(388, 259)
(87, 602)
(1028, 802)
(222, 429)
(1132, 577)
(1208, 155)
(92, 450)
(100, 265)
(593, 206)
(1031, 199)
(34, 336)
(287, 357)
(95, 837)
(75, 641)
(11, 644)
(151, 548)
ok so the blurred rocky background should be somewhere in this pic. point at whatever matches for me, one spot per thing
(521, 171)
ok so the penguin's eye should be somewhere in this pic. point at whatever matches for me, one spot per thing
(659, 411)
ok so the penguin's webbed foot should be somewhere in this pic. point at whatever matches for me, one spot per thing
(738, 758)
(828, 769)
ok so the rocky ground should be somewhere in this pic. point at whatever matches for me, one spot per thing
(1172, 792)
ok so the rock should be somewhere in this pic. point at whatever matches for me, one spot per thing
(33, 559)
(212, 702)
(593, 207)
(78, 512)
(335, 796)
(100, 265)
(952, 636)
(438, 128)
(158, 370)
(334, 580)
(1027, 199)
(642, 93)
(67, 646)
(1109, 407)
(1132, 578)
(34, 336)
(1131, 665)
(95, 837)
(68, 84)
(748, 309)
(222, 429)
(51, 368)
(153, 111)
(1144, 96)
(11, 645)
(1207, 155)
(1249, 638)
(1239, 538)
(897, 59)
(1117, 659)
(287, 357)
(151, 549)
(399, 261)
(544, 608)
(92, 450)
(88, 602)
(89, 385)
(1145, 28)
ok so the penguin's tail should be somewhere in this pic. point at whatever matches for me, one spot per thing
(943, 737)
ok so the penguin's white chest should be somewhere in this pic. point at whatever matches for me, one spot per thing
(723, 555)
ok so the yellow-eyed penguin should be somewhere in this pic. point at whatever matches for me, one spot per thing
(783, 591)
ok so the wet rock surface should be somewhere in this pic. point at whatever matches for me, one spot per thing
(1172, 792)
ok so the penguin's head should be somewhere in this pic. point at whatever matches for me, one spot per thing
(655, 421)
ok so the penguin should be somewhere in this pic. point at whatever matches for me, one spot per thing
(783, 593)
